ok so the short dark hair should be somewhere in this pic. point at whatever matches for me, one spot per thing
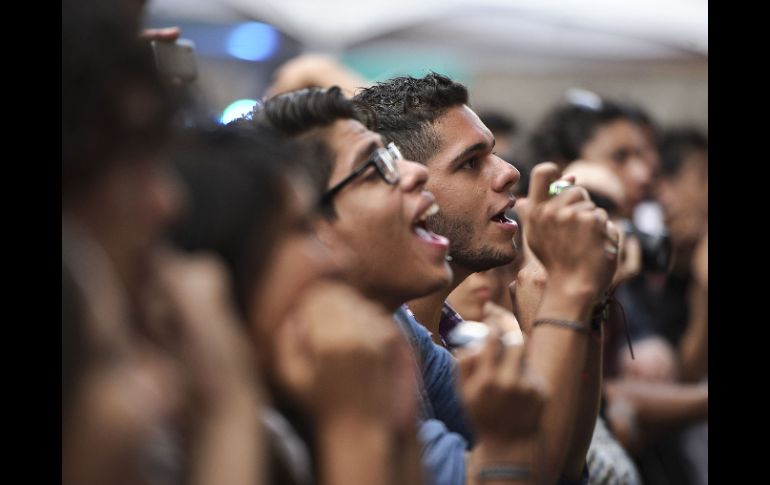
(301, 115)
(676, 145)
(237, 186)
(114, 105)
(405, 108)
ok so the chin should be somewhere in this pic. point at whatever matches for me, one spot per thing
(428, 286)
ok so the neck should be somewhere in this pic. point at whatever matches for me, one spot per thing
(427, 310)
(390, 304)
(682, 259)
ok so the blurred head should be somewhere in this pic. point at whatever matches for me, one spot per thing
(374, 228)
(606, 134)
(683, 187)
(503, 128)
(250, 203)
(430, 119)
(651, 133)
(116, 117)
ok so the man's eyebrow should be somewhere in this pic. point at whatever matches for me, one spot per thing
(364, 153)
(476, 147)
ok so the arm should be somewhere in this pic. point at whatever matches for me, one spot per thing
(590, 399)
(313, 70)
(559, 356)
(569, 236)
(495, 383)
(354, 450)
(657, 408)
(227, 444)
(693, 348)
(362, 393)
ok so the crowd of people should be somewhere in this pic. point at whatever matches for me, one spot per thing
(273, 301)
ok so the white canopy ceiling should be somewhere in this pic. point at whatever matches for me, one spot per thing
(569, 29)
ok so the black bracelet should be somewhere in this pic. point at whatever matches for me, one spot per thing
(563, 323)
(503, 471)
(600, 315)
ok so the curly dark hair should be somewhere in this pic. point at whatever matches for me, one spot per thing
(405, 109)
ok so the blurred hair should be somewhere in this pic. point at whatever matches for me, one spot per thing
(677, 144)
(567, 128)
(73, 341)
(498, 122)
(114, 106)
(237, 183)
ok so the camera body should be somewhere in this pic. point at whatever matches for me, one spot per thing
(176, 60)
(655, 248)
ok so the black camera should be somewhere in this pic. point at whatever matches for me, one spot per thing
(655, 248)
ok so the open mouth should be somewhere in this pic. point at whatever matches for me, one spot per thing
(503, 221)
(420, 228)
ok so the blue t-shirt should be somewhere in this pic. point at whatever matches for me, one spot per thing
(440, 397)
(444, 430)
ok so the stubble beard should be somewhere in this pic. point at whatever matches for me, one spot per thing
(460, 234)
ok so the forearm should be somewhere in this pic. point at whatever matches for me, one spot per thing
(558, 356)
(659, 408)
(230, 444)
(590, 399)
(693, 348)
(355, 451)
(522, 452)
(408, 470)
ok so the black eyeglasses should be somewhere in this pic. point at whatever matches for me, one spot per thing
(384, 159)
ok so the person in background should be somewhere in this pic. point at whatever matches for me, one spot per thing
(429, 118)
(155, 384)
(332, 419)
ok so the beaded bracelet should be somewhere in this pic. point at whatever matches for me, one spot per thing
(503, 471)
(563, 323)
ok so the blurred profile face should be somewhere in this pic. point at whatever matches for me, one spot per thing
(622, 147)
(651, 154)
(297, 260)
(684, 197)
(473, 188)
(379, 236)
(469, 297)
(127, 212)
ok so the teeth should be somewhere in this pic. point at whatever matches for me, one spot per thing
(430, 211)
(502, 218)
(423, 233)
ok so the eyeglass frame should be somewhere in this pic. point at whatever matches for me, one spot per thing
(391, 150)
